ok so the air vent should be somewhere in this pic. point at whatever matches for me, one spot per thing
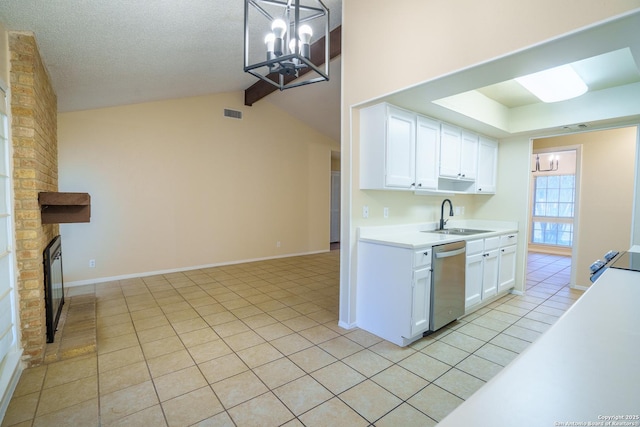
(232, 113)
(575, 127)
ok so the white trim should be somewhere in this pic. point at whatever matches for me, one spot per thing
(635, 232)
(9, 376)
(344, 325)
(178, 270)
(579, 287)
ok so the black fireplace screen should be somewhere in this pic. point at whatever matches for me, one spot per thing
(53, 285)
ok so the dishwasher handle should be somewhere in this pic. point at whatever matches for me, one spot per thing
(449, 253)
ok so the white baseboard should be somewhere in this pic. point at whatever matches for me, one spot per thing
(177, 270)
(9, 376)
(578, 287)
(346, 325)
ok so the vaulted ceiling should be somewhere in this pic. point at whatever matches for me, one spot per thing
(102, 53)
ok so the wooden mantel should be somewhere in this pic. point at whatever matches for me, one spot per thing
(58, 208)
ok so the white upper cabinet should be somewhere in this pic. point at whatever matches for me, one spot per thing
(487, 166)
(387, 148)
(402, 150)
(450, 151)
(458, 153)
(468, 155)
(427, 153)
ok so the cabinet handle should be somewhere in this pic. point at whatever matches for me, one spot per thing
(426, 253)
(420, 185)
(479, 189)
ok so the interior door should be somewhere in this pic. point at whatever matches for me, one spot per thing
(335, 207)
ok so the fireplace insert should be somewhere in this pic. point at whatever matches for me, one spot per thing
(53, 285)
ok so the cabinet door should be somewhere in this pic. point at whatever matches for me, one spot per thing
(468, 155)
(421, 301)
(507, 277)
(490, 274)
(450, 151)
(487, 166)
(400, 149)
(427, 153)
(473, 280)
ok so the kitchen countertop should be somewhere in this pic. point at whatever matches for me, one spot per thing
(584, 369)
(413, 236)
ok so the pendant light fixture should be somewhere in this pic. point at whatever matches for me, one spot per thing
(278, 35)
(552, 168)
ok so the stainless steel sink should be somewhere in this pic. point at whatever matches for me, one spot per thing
(458, 231)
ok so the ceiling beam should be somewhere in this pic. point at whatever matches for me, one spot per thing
(260, 89)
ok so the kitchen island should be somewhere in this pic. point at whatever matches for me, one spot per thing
(585, 370)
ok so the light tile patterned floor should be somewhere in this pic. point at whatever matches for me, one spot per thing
(258, 344)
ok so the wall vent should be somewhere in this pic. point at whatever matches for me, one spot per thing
(232, 113)
(575, 127)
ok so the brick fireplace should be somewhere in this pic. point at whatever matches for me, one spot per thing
(35, 169)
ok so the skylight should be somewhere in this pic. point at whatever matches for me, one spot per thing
(555, 84)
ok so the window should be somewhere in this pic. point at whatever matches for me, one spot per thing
(553, 210)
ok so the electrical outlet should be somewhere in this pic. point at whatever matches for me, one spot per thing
(365, 211)
(278, 244)
(92, 263)
(457, 210)
(385, 212)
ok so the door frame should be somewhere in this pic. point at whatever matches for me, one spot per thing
(576, 212)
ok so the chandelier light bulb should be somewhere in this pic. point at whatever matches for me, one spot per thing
(292, 45)
(279, 28)
(305, 32)
(268, 40)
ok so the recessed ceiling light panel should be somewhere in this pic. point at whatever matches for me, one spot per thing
(555, 84)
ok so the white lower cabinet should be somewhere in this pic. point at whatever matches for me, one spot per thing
(490, 268)
(420, 301)
(393, 291)
(490, 274)
(473, 272)
(507, 274)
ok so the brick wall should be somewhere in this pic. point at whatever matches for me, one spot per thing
(35, 169)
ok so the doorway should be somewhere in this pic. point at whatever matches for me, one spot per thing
(604, 193)
(553, 200)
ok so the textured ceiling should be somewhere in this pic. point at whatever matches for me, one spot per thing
(113, 52)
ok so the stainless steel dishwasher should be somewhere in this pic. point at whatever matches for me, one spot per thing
(447, 286)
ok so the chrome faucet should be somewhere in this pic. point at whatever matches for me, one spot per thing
(442, 221)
